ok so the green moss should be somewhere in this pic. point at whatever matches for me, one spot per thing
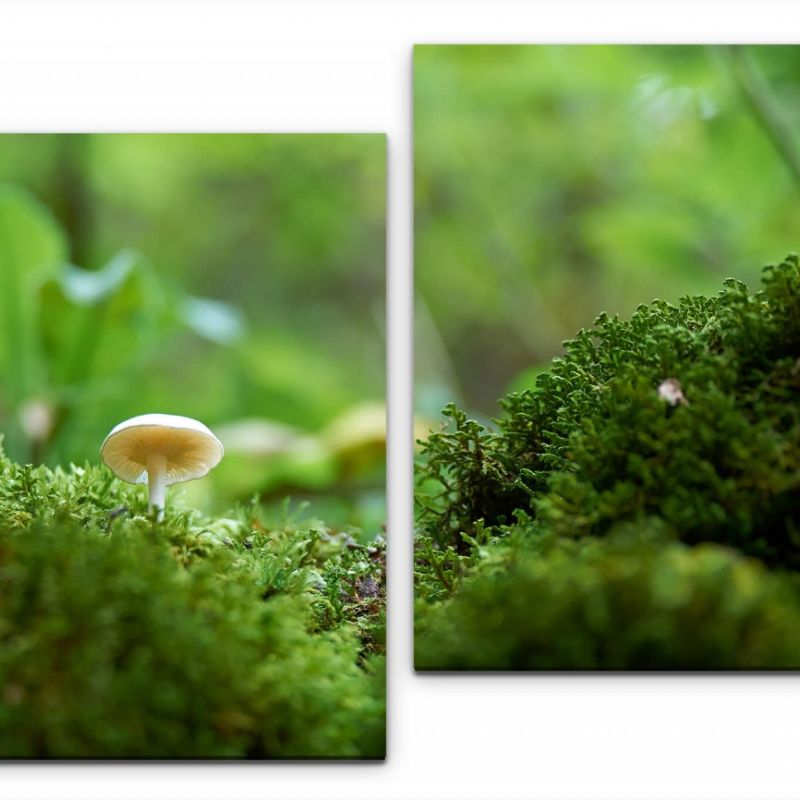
(190, 638)
(596, 445)
(614, 604)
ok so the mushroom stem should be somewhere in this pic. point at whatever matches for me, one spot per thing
(157, 483)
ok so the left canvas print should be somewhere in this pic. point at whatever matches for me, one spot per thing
(192, 477)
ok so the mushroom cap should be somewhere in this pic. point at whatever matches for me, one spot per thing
(191, 450)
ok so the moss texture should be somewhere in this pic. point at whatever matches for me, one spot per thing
(665, 445)
(193, 638)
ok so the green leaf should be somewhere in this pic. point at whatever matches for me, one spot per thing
(32, 247)
(88, 287)
(99, 323)
(99, 330)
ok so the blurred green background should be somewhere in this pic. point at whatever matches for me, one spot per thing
(556, 182)
(238, 279)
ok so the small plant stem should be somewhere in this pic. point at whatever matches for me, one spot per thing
(156, 484)
(756, 89)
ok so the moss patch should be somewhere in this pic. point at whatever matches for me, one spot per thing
(192, 638)
(680, 428)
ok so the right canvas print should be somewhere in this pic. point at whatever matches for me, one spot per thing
(607, 357)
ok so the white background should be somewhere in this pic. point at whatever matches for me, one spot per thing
(346, 66)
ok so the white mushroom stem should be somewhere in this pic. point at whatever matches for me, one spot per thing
(157, 483)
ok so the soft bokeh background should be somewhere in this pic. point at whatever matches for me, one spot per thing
(238, 279)
(556, 182)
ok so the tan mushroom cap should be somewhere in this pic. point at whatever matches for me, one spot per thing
(190, 448)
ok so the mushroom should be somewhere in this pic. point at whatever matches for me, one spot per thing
(670, 390)
(159, 450)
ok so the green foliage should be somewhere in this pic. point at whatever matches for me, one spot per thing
(617, 604)
(236, 279)
(466, 477)
(594, 442)
(31, 247)
(685, 414)
(195, 637)
(554, 182)
(69, 333)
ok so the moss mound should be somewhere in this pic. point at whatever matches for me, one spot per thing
(193, 638)
(616, 604)
(685, 419)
